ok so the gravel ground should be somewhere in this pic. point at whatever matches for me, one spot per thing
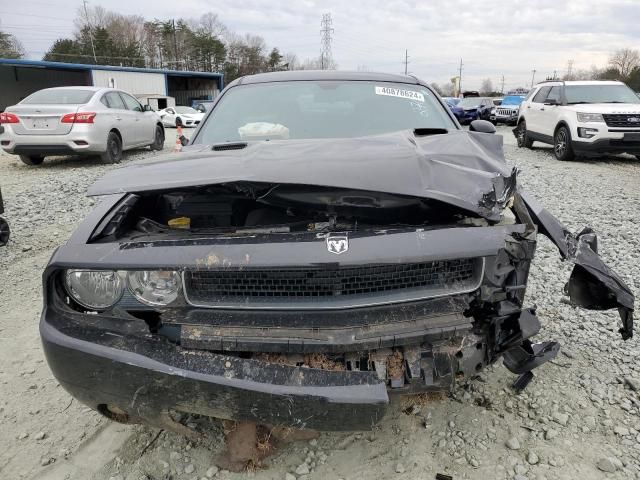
(580, 417)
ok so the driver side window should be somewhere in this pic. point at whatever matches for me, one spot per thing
(131, 103)
(541, 95)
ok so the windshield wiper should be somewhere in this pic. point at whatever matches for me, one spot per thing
(576, 103)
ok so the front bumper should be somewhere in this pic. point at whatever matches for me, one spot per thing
(620, 144)
(148, 379)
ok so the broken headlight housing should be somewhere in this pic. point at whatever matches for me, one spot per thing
(155, 287)
(94, 289)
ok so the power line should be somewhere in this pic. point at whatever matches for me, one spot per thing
(326, 31)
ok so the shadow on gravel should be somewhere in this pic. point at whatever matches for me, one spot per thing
(75, 161)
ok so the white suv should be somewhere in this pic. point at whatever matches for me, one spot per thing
(581, 118)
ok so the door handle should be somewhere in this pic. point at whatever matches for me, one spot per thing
(528, 106)
(542, 109)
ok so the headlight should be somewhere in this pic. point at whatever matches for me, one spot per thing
(155, 287)
(94, 289)
(590, 117)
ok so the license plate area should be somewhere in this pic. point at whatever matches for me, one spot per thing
(40, 123)
(631, 137)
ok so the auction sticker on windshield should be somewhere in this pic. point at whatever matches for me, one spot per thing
(399, 92)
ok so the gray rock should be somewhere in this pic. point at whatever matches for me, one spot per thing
(607, 464)
(189, 468)
(399, 468)
(513, 443)
(561, 418)
(289, 476)
(212, 471)
(632, 383)
(550, 434)
(532, 458)
(620, 430)
(40, 436)
(302, 469)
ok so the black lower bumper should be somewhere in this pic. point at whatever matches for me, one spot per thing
(44, 150)
(147, 379)
(607, 146)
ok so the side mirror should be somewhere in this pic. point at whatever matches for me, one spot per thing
(482, 126)
(147, 108)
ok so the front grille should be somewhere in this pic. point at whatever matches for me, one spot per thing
(331, 286)
(506, 112)
(622, 119)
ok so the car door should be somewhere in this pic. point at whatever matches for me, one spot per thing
(535, 111)
(550, 113)
(123, 118)
(138, 117)
(169, 117)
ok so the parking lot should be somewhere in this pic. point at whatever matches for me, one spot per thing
(580, 417)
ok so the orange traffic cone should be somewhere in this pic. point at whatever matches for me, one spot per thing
(179, 135)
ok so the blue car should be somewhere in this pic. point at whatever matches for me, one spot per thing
(475, 108)
(452, 103)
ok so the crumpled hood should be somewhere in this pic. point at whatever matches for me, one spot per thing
(461, 168)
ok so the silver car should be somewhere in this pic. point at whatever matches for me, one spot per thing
(79, 120)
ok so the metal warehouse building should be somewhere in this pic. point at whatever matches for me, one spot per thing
(20, 78)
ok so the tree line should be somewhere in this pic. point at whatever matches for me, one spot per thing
(205, 44)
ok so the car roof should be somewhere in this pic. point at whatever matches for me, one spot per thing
(310, 75)
(580, 82)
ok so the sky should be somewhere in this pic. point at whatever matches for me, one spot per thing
(494, 38)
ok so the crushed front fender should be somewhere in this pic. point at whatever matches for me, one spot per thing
(592, 284)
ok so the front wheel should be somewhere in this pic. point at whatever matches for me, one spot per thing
(158, 142)
(562, 145)
(522, 136)
(114, 149)
(32, 159)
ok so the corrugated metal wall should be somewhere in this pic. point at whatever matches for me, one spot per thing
(136, 83)
(17, 83)
(185, 97)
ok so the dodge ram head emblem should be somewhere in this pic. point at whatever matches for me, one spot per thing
(337, 244)
(633, 119)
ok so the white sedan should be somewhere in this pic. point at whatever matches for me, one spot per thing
(189, 117)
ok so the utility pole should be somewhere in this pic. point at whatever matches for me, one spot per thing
(325, 35)
(86, 16)
(533, 76)
(460, 79)
(555, 74)
(569, 69)
(406, 61)
(502, 85)
(175, 43)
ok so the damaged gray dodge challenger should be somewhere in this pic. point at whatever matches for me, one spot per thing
(328, 239)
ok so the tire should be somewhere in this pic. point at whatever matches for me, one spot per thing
(158, 142)
(562, 144)
(5, 232)
(523, 139)
(32, 159)
(114, 149)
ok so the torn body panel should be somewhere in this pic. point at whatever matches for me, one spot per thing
(592, 284)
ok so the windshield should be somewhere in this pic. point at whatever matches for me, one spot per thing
(59, 96)
(186, 110)
(470, 102)
(321, 109)
(452, 100)
(513, 100)
(600, 94)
